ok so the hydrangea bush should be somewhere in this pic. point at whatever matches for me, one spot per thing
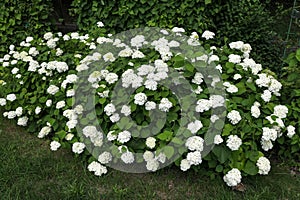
(40, 76)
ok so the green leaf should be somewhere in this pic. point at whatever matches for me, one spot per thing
(219, 168)
(169, 151)
(165, 136)
(61, 134)
(207, 2)
(222, 153)
(250, 168)
(189, 67)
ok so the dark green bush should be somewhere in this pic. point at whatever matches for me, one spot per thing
(21, 18)
(291, 98)
(247, 20)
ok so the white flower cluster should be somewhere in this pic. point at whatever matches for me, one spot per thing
(105, 157)
(233, 142)
(255, 111)
(97, 168)
(78, 147)
(233, 177)
(234, 117)
(263, 165)
(195, 126)
(194, 143)
(96, 137)
(153, 160)
(230, 87)
(290, 131)
(150, 142)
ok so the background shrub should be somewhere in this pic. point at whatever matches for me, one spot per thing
(21, 18)
(247, 20)
(290, 97)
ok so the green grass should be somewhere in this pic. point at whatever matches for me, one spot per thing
(29, 170)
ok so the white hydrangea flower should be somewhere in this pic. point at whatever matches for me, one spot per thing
(255, 111)
(91, 131)
(109, 109)
(234, 58)
(97, 168)
(2, 102)
(234, 117)
(44, 131)
(15, 70)
(290, 131)
(59, 52)
(19, 111)
(152, 165)
(109, 57)
(110, 136)
(22, 121)
(195, 126)
(48, 102)
(195, 143)
(151, 85)
(165, 105)
(54, 145)
(127, 52)
(263, 80)
(114, 117)
(78, 147)
(236, 45)
(266, 96)
(60, 104)
(69, 136)
(100, 24)
(208, 35)
(137, 54)
(217, 101)
(213, 58)
(48, 35)
(148, 155)
(150, 142)
(70, 93)
(269, 134)
(105, 157)
(277, 120)
(37, 110)
(52, 89)
(111, 78)
(281, 111)
(150, 105)
(198, 78)
(266, 144)
(263, 165)
(218, 139)
(11, 114)
(140, 98)
(127, 157)
(11, 97)
(126, 110)
(161, 157)
(233, 142)
(237, 76)
(124, 136)
(185, 165)
(233, 177)
(178, 30)
(194, 158)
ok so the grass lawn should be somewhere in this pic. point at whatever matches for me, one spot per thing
(29, 170)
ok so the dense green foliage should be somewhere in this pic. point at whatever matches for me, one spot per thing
(291, 97)
(21, 18)
(247, 20)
